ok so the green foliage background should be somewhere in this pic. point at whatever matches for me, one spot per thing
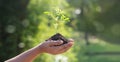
(94, 25)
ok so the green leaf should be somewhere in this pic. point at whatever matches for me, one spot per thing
(48, 13)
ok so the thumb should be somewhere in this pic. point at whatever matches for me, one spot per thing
(54, 43)
(70, 40)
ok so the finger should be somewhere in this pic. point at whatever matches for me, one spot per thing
(70, 43)
(61, 47)
(64, 49)
(67, 46)
(70, 40)
(53, 43)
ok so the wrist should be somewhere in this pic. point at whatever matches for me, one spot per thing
(40, 49)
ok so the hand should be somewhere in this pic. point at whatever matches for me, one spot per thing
(49, 46)
(45, 47)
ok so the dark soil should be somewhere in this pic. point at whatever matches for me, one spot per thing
(58, 36)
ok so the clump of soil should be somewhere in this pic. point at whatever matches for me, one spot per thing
(58, 36)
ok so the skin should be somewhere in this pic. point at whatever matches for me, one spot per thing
(45, 47)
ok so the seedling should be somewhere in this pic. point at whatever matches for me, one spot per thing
(58, 16)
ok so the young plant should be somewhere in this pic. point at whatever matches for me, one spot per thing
(58, 16)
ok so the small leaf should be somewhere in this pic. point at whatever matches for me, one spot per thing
(48, 13)
(66, 19)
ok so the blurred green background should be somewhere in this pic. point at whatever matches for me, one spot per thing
(94, 25)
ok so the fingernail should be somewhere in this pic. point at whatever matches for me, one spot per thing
(71, 40)
(71, 43)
